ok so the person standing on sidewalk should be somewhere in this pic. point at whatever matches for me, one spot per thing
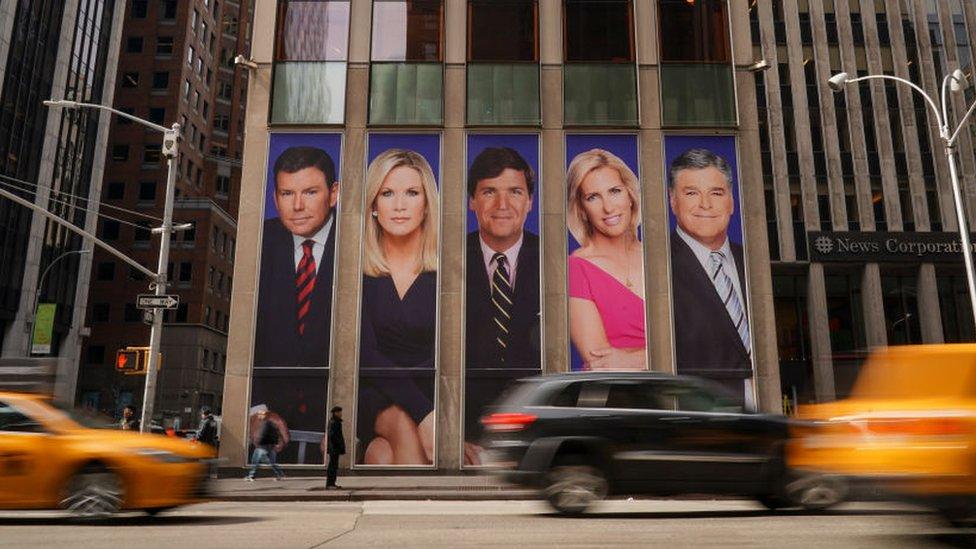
(268, 438)
(335, 448)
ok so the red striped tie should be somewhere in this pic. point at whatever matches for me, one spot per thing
(305, 283)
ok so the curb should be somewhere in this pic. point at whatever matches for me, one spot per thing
(384, 495)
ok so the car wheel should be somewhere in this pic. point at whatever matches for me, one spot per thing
(571, 489)
(817, 492)
(773, 502)
(94, 492)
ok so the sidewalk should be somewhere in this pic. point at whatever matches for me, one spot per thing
(361, 488)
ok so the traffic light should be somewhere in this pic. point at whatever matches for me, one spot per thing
(132, 360)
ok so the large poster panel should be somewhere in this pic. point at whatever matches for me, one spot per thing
(710, 304)
(289, 385)
(606, 259)
(398, 332)
(502, 313)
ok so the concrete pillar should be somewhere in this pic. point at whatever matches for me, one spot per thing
(453, 218)
(929, 310)
(820, 352)
(875, 328)
(240, 341)
(553, 183)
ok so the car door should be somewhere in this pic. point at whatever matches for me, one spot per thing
(23, 448)
(719, 445)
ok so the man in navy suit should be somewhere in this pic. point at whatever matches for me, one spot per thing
(711, 324)
(502, 326)
(295, 300)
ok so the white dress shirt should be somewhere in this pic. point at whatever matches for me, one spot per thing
(511, 256)
(703, 254)
(317, 249)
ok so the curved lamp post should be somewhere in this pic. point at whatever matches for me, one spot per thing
(37, 297)
(955, 82)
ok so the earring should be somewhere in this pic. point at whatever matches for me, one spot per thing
(375, 214)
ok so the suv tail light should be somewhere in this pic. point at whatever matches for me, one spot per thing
(507, 422)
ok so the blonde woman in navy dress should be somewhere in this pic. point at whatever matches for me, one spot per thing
(396, 420)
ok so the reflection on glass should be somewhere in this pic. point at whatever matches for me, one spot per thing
(596, 94)
(312, 31)
(405, 93)
(599, 30)
(504, 30)
(503, 94)
(694, 31)
(309, 93)
(697, 95)
(406, 31)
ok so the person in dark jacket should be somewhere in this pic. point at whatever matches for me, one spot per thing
(336, 446)
(207, 430)
(129, 420)
(269, 435)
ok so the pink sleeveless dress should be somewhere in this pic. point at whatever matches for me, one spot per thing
(621, 310)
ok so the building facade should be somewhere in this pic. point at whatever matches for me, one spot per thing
(712, 276)
(54, 158)
(176, 65)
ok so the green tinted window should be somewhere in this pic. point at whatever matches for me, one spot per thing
(309, 93)
(503, 94)
(600, 94)
(697, 95)
(406, 93)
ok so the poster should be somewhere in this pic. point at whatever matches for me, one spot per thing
(502, 273)
(710, 302)
(398, 317)
(295, 293)
(606, 259)
(43, 328)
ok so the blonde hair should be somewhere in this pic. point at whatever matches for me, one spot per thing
(581, 166)
(374, 261)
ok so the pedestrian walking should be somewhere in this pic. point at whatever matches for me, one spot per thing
(269, 436)
(336, 447)
(207, 430)
(129, 420)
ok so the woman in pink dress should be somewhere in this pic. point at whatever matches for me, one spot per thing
(606, 274)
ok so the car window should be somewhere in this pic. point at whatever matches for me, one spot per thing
(631, 395)
(12, 421)
(688, 397)
(568, 397)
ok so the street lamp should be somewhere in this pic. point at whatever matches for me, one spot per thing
(171, 139)
(955, 82)
(37, 297)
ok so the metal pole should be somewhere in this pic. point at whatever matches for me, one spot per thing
(967, 248)
(170, 144)
(37, 298)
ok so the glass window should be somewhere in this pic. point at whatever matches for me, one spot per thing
(697, 95)
(503, 94)
(600, 94)
(503, 30)
(139, 9)
(133, 44)
(694, 31)
(900, 296)
(120, 153)
(407, 30)
(100, 312)
(309, 93)
(186, 271)
(312, 31)
(106, 270)
(157, 115)
(147, 190)
(599, 30)
(11, 420)
(160, 80)
(115, 191)
(635, 395)
(957, 316)
(406, 93)
(131, 313)
(130, 79)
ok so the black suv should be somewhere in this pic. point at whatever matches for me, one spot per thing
(583, 436)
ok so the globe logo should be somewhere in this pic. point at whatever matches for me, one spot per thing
(823, 244)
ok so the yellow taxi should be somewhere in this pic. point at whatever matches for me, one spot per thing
(908, 426)
(48, 460)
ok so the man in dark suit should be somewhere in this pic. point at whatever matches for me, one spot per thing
(295, 300)
(502, 327)
(335, 447)
(711, 325)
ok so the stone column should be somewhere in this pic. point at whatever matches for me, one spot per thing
(820, 351)
(929, 310)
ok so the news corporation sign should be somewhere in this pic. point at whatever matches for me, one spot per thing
(870, 247)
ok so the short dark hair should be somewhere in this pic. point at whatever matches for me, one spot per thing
(698, 159)
(336, 409)
(492, 161)
(129, 407)
(295, 159)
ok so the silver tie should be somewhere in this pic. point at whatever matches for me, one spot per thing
(726, 292)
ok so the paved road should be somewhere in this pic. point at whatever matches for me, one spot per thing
(427, 524)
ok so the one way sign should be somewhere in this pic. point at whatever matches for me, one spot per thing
(153, 301)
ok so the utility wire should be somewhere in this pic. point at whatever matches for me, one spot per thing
(33, 187)
(89, 210)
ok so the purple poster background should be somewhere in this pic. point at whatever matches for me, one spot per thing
(328, 142)
(625, 147)
(427, 144)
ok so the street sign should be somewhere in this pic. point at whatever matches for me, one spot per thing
(153, 301)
